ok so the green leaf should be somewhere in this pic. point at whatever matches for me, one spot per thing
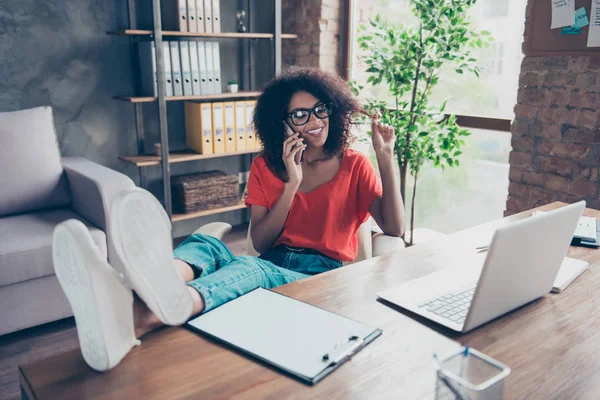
(423, 133)
(457, 153)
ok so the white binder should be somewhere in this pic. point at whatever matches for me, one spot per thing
(217, 67)
(194, 67)
(208, 23)
(176, 68)
(183, 16)
(199, 15)
(148, 75)
(204, 85)
(210, 67)
(192, 14)
(186, 70)
(299, 339)
(168, 71)
(216, 16)
(240, 126)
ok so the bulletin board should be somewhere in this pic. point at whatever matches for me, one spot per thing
(543, 41)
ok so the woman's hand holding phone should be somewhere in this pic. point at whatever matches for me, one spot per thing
(293, 147)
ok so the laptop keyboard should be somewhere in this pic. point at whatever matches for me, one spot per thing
(452, 306)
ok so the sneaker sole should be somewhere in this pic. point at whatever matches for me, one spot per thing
(85, 277)
(142, 235)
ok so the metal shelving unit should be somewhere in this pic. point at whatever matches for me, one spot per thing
(142, 160)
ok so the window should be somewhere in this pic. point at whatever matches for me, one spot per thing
(496, 58)
(475, 192)
(495, 8)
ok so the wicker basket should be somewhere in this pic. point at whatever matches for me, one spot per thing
(204, 191)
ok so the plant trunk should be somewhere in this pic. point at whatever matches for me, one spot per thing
(402, 168)
(412, 212)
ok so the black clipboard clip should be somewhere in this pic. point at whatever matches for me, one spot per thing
(343, 349)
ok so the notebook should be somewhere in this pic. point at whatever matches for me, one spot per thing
(587, 230)
(301, 340)
(587, 233)
(570, 269)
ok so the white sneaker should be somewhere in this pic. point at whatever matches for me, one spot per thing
(141, 231)
(101, 303)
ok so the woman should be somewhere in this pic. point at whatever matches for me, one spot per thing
(308, 194)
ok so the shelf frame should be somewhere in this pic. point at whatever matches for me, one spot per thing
(179, 157)
(166, 158)
(182, 217)
(209, 97)
(220, 35)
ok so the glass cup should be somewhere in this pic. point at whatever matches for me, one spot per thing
(467, 374)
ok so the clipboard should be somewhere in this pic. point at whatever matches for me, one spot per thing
(296, 338)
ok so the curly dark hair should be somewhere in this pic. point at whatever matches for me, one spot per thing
(272, 108)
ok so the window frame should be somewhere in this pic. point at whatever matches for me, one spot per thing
(347, 38)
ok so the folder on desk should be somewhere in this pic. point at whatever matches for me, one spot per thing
(174, 15)
(216, 67)
(148, 75)
(204, 87)
(191, 14)
(208, 25)
(168, 72)
(229, 126)
(217, 128)
(251, 141)
(216, 16)
(199, 15)
(570, 269)
(198, 127)
(195, 69)
(186, 70)
(301, 340)
(176, 69)
(210, 67)
(240, 126)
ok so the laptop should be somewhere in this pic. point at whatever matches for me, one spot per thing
(521, 265)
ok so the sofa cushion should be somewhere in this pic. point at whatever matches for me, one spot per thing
(26, 245)
(32, 176)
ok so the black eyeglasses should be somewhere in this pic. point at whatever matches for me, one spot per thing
(300, 116)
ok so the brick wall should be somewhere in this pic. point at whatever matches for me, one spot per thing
(556, 133)
(317, 24)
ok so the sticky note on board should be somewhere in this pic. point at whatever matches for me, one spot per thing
(581, 18)
(569, 30)
(563, 13)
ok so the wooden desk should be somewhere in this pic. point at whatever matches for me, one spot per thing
(551, 345)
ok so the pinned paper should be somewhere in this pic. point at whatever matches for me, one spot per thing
(570, 30)
(581, 18)
(594, 34)
(563, 13)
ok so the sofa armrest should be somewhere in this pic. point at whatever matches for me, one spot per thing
(384, 244)
(93, 188)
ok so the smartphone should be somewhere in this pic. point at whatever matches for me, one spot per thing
(300, 154)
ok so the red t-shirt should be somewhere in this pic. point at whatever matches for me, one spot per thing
(327, 218)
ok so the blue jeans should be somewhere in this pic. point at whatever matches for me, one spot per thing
(224, 277)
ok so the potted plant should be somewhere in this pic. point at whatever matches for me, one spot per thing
(232, 86)
(407, 61)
